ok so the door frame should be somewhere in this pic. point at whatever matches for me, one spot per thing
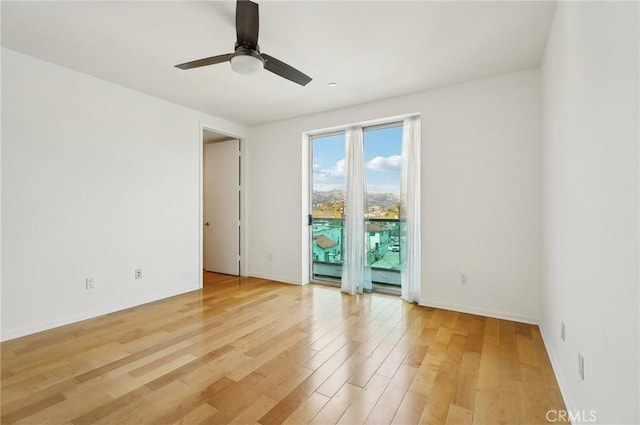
(243, 199)
(308, 137)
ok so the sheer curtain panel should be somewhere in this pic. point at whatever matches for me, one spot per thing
(354, 276)
(410, 210)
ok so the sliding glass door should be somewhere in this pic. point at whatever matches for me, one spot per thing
(382, 238)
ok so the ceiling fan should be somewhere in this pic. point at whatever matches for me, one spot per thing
(247, 58)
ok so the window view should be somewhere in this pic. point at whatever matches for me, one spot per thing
(327, 202)
(383, 160)
(382, 156)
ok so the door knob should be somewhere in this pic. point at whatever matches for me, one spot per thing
(206, 224)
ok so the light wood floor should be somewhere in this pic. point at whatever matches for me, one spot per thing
(246, 351)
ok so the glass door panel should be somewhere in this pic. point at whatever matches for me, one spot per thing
(383, 161)
(327, 205)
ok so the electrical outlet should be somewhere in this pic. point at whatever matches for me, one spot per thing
(270, 257)
(562, 331)
(89, 283)
(581, 366)
(463, 279)
(138, 274)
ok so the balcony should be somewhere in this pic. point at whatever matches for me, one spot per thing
(382, 246)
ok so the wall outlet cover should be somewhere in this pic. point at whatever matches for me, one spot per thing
(581, 366)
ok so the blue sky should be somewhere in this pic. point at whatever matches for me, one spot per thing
(382, 150)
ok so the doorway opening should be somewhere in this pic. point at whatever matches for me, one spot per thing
(221, 217)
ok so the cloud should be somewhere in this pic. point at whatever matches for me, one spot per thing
(338, 170)
(382, 163)
(329, 175)
(334, 177)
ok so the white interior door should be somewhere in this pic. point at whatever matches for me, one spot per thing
(221, 202)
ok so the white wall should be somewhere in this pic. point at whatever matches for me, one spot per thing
(97, 180)
(590, 113)
(481, 193)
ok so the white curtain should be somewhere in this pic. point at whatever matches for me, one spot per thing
(355, 276)
(410, 210)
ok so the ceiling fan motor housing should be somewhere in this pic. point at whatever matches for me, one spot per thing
(246, 61)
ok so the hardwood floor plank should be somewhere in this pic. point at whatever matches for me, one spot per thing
(197, 416)
(188, 367)
(365, 401)
(511, 407)
(286, 385)
(290, 402)
(390, 400)
(526, 350)
(335, 408)
(459, 416)
(410, 410)
(491, 331)
(370, 366)
(441, 398)
(467, 380)
(258, 360)
(30, 409)
(128, 385)
(132, 357)
(110, 408)
(337, 380)
(327, 351)
(188, 401)
(257, 409)
(165, 356)
(433, 361)
(416, 355)
(489, 369)
(508, 352)
(487, 407)
(307, 410)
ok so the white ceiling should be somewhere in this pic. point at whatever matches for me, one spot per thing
(371, 49)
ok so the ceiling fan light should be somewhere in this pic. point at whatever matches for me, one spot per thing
(247, 64)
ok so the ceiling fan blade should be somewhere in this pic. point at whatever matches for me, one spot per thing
(247, 24)
(206, 61)
(286, 71)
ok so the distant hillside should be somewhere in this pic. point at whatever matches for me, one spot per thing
(337, 196)
(384, 200)
(328, 197)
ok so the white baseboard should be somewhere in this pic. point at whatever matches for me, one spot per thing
(45, 326)
(556, 370)
(481, 312)
(275, 278)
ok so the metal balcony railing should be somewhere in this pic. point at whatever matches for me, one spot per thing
(382, 246)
